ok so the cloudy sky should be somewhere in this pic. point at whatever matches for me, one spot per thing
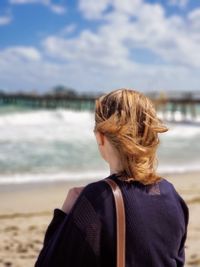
(100, 45)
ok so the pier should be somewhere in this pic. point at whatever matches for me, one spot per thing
(48, 101)
(167, 103)
(187, 104)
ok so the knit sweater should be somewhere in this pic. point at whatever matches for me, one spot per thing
(156, 228)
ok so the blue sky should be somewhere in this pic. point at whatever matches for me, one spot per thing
(94, 45)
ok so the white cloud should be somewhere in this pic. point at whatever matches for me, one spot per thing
(115, 40)
(67, 29)
(194, 20)
(88, 48)
(43, 74)
(179, 3)
(93, 9)
(170, 38)
(109, 57)
(5, 19)
(96, 9)
(109, 52)
(127, 6)
(20, 52)
(58, 9)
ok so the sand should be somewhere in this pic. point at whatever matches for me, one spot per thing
(25, 212)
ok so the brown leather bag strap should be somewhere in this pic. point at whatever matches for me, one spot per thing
(120, 216)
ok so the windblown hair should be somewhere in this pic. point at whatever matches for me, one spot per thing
(129, 121)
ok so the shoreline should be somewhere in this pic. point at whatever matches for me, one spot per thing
(27, 209)
(45, 190)
(32, 185)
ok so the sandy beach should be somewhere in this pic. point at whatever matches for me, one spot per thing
(25, 212)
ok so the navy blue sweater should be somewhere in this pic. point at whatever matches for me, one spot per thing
(156, 228)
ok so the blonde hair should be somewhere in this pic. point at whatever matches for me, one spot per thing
(128, 119)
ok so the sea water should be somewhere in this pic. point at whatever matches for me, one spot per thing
(59, 144)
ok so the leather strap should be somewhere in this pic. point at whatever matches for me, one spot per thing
(120, 216)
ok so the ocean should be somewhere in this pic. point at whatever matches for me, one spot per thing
(59, 145)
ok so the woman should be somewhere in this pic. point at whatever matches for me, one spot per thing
(83, 232)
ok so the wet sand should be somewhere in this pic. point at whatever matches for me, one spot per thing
(25, 212)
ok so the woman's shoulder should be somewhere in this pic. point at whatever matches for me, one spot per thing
(169, 187)
(91, 200)
(94, 191)
(97, 188)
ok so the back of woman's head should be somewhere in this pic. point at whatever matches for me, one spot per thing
(129, 121)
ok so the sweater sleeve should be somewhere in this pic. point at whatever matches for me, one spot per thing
(58, 218)
(72, 240)
(181, 252)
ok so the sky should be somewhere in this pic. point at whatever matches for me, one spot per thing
(99, 45)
